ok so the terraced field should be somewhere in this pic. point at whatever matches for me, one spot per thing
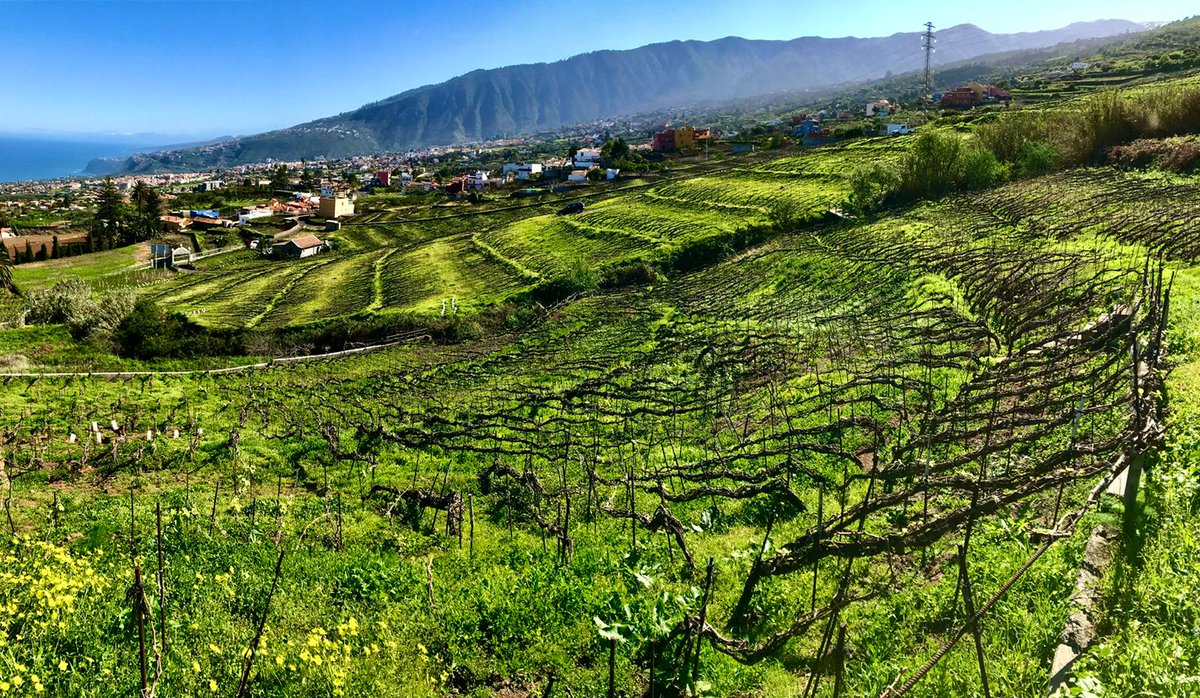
(409, 259)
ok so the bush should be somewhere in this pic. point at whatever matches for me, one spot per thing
(1180, 154)
(73, 304)
(931, 168)
(1036, 158)
(149, 333)
(979, 169)
(871, 186)
(942, 163)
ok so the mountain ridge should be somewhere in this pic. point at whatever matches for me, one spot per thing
(515, 100)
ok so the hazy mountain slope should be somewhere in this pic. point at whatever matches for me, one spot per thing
(519, 99)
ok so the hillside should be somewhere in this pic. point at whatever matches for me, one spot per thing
(520, 99)
(699, 439)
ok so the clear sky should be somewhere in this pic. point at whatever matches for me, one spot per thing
(217, 67)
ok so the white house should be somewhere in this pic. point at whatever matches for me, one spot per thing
(880, 108)
(577, 176)
(1079, 65)
(587, 157)
(528, 170)
(248, 214)
(611, 174)
(478, 179)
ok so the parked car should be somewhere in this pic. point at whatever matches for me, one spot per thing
(573, 207)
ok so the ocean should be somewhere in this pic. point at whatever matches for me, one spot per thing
(31, 158)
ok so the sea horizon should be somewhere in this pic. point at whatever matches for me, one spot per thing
(25, 159)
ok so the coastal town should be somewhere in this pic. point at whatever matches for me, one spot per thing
(48, 219)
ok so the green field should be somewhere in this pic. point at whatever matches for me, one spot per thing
(677, 444)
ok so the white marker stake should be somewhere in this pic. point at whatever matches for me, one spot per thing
(71, 439)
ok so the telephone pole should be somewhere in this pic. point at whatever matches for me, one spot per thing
(927, 45)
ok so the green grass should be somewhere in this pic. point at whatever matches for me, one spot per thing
(96, 268)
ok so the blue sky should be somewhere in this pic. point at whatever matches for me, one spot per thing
(212, 67)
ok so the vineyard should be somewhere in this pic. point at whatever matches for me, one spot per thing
(855, 458)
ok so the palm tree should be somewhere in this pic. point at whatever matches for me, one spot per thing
(141, 191)
(6, 270)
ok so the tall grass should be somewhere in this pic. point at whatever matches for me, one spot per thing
(1084, 135)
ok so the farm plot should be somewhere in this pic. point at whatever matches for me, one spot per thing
(755, 194)
(549, 245)
(328, 288)
(825, 416)
(418, 279)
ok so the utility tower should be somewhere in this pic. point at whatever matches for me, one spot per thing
(927, 44)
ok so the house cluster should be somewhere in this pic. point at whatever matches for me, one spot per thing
(522, 171)
(1074, 73)
(330, 206)
(973, 94)
(586, 161)
(200, 219)
(682, 138)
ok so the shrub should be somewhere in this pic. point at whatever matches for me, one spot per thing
(1179, 154)
(73, 303)
(148, 333)
(1036, 158)
(871, 186)
(941, 163)
(979, 169)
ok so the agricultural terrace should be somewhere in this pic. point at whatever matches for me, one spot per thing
(409, 260)
(685, 485)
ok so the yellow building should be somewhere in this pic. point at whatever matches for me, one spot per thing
(685, 137)
(335, 207)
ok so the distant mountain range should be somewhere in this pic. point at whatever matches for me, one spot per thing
(488, 104)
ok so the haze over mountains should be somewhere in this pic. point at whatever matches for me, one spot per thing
(487, 104)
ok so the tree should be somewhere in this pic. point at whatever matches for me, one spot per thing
(308, 179)
(6, 270)
(109, 221)
(281, 178)
(54, 248)
(148, 223)
(352, 180)
(616, 149)
(141, 191)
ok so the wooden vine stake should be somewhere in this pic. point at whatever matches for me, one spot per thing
(244, 684)
(136, 597)
(839, 677)
(969, 600)
(162, 590)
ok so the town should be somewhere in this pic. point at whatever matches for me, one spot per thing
(261, 206)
